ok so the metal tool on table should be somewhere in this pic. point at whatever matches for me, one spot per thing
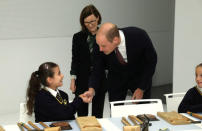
(133, 119)
(63, 125)
(195, 115)
(26, 126)
(34, 126)
(164, 129)
(20, 126)
(128, 126)
(125, 122)
(43, 124)
(47, 128)
(144, 125)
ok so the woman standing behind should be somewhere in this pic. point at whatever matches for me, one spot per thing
(82, 59)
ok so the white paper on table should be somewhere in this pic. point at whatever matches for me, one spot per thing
(108, 125)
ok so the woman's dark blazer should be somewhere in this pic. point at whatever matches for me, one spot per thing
(81, 61)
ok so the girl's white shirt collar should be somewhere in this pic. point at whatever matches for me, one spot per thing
(200, 89)
(53, 92)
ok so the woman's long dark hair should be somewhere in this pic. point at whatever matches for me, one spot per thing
(37, 79)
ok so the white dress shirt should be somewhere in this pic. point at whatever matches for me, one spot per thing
(122, 46)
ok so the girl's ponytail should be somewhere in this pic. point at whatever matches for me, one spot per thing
(37, 79)
(32, 90)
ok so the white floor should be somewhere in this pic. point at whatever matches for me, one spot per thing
(13, 118)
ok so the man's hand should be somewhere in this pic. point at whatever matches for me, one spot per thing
(138, 94)
(73, 86)
(90, 94)
(85, 98)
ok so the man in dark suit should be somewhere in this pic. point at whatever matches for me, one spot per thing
(131, 60)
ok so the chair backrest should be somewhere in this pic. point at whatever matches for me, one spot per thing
(24, 117)
(135, 107)
(173, 100)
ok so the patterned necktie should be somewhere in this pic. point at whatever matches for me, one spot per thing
(120, 57)
(59, 98)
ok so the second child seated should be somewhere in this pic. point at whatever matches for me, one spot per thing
(45, 100)
(192, 101)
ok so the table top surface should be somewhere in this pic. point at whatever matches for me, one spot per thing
(115, 124)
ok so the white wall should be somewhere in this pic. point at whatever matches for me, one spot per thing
(19, 58)
(187, 43)
(35, 31)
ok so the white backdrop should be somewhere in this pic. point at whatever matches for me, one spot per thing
(36, 31)
(187, 43)
(53, 18)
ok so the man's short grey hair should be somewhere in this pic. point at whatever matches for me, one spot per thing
(113, 32)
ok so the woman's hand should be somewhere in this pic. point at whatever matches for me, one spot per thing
(72, 85)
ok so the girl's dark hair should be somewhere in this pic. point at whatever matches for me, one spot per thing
(37, 79)
(87, 11)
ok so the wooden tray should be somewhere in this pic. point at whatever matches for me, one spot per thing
(88, 123)
(174, 118)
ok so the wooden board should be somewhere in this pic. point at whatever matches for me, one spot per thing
(1, 128)
(174, 118)
(88, 123)
(131, 128)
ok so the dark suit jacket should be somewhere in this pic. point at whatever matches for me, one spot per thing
(142, 59)
(47, 108)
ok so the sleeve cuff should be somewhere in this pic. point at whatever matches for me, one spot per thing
(73, 77)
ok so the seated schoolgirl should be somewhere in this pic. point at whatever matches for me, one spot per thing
(192, 101)
(46, 100)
